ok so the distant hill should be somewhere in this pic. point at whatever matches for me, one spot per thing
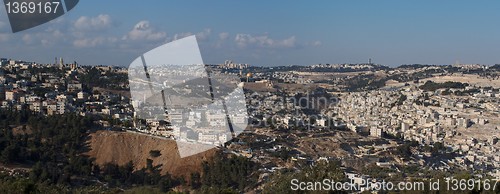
(415, 66)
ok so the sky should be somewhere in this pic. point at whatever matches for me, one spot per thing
(267, 33)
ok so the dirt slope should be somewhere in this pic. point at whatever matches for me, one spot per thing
(122, 147)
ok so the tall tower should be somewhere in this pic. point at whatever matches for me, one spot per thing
(74, 65)
(61, 63)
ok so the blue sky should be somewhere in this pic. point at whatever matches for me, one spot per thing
(114, 32)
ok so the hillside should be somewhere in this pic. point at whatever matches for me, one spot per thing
(122, 147)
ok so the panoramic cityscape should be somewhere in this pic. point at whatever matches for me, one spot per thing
(413, 122)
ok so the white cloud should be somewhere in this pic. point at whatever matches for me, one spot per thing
(57, 34)
(263, 41)
(46, 43)
(94, 42)
(316, 43)
(181, 35)
(200, 36)
(100, 22)
(143, 31)
(289, 42)
(28, 38)
(223, 35)
(88, 42)
(203, 35)
(50, 37)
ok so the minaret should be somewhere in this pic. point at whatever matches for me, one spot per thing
(61, 63)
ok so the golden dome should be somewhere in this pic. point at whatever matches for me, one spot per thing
(249, 74)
